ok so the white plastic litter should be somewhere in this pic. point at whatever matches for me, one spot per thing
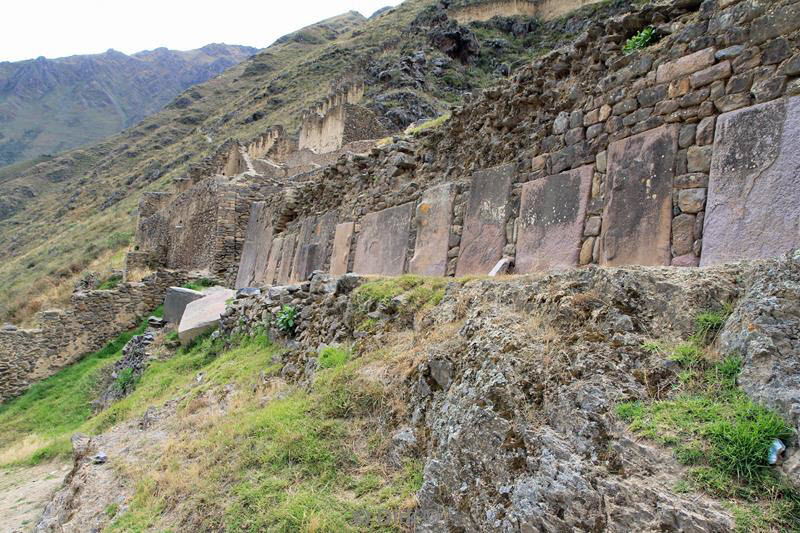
(775, 451)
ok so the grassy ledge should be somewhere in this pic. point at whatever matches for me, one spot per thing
(718, 432)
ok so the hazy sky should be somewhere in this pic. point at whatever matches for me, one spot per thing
(57, 28)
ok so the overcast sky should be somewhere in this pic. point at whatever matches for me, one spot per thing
(57, 28)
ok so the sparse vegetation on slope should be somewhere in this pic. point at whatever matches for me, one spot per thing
(723, 436)
(38, 425)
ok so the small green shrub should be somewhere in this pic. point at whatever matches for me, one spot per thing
(110, 283)
(333, 356)
(709, 323)
(654, 347)
(112, 510)
(125, 380)
(287, 320)
(686, 354)
(642, 39)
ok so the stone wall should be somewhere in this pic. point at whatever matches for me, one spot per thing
(338, 121)
(90, 321)
(586, 156)
(465, 11)
(203, 228)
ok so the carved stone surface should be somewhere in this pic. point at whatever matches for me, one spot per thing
(484, 223)
(285, 270)
(340, 256)
(637, 219)
(434, 215)
(272, 264)
(257, 244)
(753, 207)
(552, 212)
(383, 241)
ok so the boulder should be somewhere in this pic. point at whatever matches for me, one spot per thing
(202, 315)
(176, 300)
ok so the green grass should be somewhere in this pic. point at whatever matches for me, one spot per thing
(419, 291)
(199, 284)
(288, 464)
(427, 125)
(721, 434)
(57, 406)
(333, 356)
(110, 283)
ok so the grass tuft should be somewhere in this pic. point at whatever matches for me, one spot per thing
(720, 433)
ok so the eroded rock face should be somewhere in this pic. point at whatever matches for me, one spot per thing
(523, 434)
(764, 330)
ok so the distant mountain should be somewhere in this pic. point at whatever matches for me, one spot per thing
(50, 105)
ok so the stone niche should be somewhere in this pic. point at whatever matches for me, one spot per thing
(484, 234)
(637, 219)
(552, 212)
(753, 208)
(256, 248)
(434, 215)
(383, 242)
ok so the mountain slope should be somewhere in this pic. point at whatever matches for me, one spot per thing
(50, 105)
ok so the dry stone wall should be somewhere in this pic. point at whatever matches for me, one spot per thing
(338, 121)
(62, 336)
(587, 155)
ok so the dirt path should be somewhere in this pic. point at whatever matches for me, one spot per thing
(24, 492)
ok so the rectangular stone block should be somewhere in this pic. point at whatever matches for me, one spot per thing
(203, 314)
(303, 249)
(434, 215)
(685, 65)
(175, 302)
(552, 212)
(484, 234)
(313, 245)
(637, 218)
(340, 256)
(272, 264)
(753, 206)
(287, 254)
(257, 244)
(383, 241)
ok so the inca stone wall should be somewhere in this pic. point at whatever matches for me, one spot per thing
(90, 321)
(339, 121)
(587, 155)
(465, 11)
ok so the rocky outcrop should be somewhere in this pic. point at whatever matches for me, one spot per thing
(513, 408)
